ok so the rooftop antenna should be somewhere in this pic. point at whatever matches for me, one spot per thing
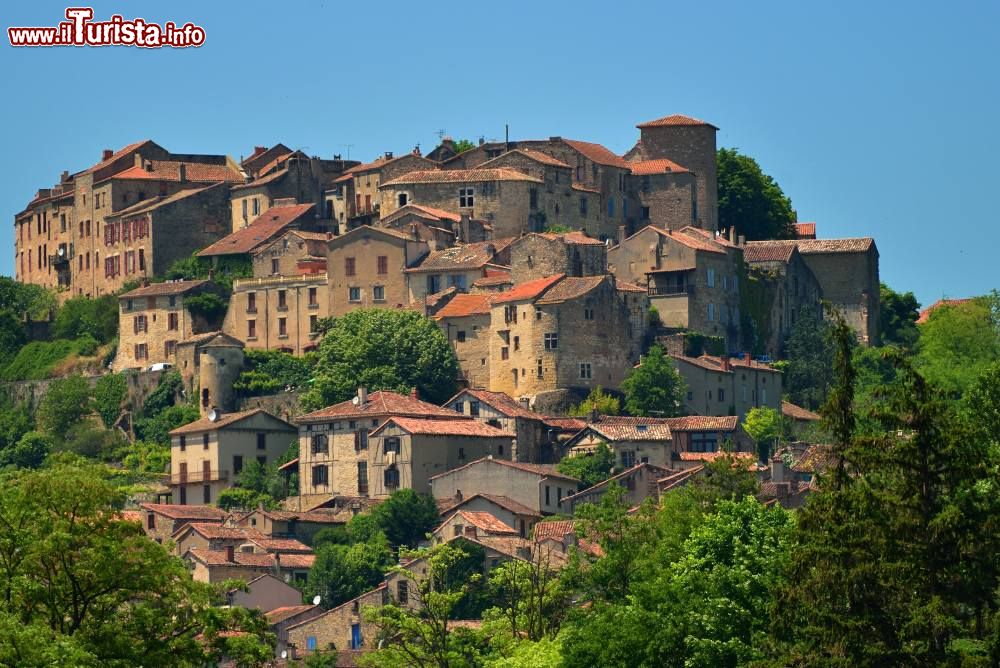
(441, 133)
(506, 137)
(348, 149)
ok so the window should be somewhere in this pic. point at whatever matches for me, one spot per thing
(722, 395)
(474, 408)
(151, 521)
(551, 340)
(466, 197)
(378, 293)
(206, 495)
(256, 207)
(711, 278)
(711, 312)
(402, 591)
(204, 441)
(318, 444)
(588, 314)
(183, 443)
(261, 441)
(611, 207)
(461, 453)
(645, 213)
(763, 395)
(262, 460)
(237, 464)
(392, 444)
(547, 493)
(510, 314)
(312, 297)
(391, 478)
(433, 284)
(539, 372)
(310, 640)
(628, 459)
(460, 336)
(583, 206)
(169, 348)
(586, 372)
(517, 343)
(354, 294)
(313, 321)
(382, 264)
(457, 280)
(141, 352)
(282, 326)
(361, 439)
(320, 474)
(505, 353)
(402, 199)
(533, 198)
(172, 321)
(282, 300)
(349, 266)
(362, 477)
(251, 302)
(704, 442)
(251, 329)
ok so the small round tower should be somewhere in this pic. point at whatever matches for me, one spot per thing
(220, 361)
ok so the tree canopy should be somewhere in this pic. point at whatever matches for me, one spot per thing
(655, 387)
(750, 200)
(959, 342)
(898, 313)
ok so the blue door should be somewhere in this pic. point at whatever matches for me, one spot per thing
(355, 636)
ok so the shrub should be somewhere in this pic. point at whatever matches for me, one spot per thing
(109, 395)
(36, 360)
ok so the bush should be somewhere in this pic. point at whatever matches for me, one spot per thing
(271, 371)
(208, 306)
(29, 452)
(147, 457)
(239, 498)
(589, 469)
(81, 316)
(86, 345)
(599, 400)
(157, 429)
(90, 440)
(65, 405)
(36, 360)
(109, 396)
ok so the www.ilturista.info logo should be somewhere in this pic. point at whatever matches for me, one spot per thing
(80, 30)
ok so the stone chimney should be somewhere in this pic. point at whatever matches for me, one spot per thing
(594, 415)
(742, 240)
(726, 366)
(777, 469)
(747, 358)
(413, 393)
(458, 496)
(106, 154)
(64, 177)
(182, 172)
(732, 235)
(362, 396)
(463, 225)
(231, 554)
(621, 234)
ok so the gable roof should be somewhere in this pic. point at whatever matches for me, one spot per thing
(767, 251)
(925, 314)
(571, 287)
(528, 289)
(816, 246)
(153, 203)
(227, 420)
(212, 531)
(423, 211)
(483, 520)
(500, 401)
(658, 166)
(120, 153)
(501, 501)
(263, 229)
(531, 154)
(704, 423)
(674, 120)
(179, 512)
(621, 428)
(459, 426)
(625, 286)
(463, 256)
(716, 364)
(464, 305)
(382, 403)
(789, 409)
(555, 529)
(163, 289)
(657, 473)
(543, 470)
(575, 237)
(696, 242)
(460, 176)
(597, 153)
(284, 613)
(170, 170)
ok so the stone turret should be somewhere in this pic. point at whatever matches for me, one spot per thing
(220, 364)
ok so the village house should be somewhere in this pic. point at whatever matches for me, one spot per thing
(60, 239)
(639, 483)
(207, 454)
(800, 419)
(439, 228)
(536, 486)
(503, 508)
(667, 194)
(266, 593)
(212, 566)
(633, 440)
(366, 268)
(341, 628)
(692, 278)
(262, 156)
(542, 254)
(458, 267)
(465, 320)
(152, 319)
(293, 253)
(471, 524)
(355, 198)
(280, 619)
(218, 537)
(298, 524)
(503, 412)
(162, 521)
(281, 216)
(723, 386)
(278, 312)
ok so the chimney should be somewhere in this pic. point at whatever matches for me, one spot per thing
(388, 155)
(741, 240)
(482, 140)
(147, 165)
(231, 554)
(182, 172)
(138, 160)
(257, 150)
(416, 150)
(458, 496)
(777, 469)
(464, 225)
(211, 274)
(144, 282)
(732, 234)
(106, 154)
(362, 396)
(414, 394)
(725, 363)
(594, 415)
(747, 358)
(621, 234)
(64, 177)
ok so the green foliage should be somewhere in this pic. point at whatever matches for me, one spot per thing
(26, 299)
(530, 600)
(342, 572)
(65, 405)
(156, 429)
(750, 200)
(12, 337)
(86, 316)
(38, 359)
(29, 452)
(382, 349)
(463, 145)
(654, 317)
(224, 271)
(239, 498)
(808, 372)
(696, 344)
(147, 457)
(15, 422)
(959, 342)
(557, 229)
(654, 387)
(406, 517)
(109, 396)
(764, 425)
(208, 306)
(169, 387)
(590, 468)
(264, 479)
(90, 440)
(272, 371)
(898, 313)
(600, 401)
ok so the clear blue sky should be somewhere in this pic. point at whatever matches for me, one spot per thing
(877, 119)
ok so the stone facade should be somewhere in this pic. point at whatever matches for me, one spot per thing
(728, 386)
(340, 628)
(279, 312)
(501, 411)
(535, 486)
(538, 255)
(458, 267)
(465, 320)
(366, 268)
(294, 252)
(355, 199)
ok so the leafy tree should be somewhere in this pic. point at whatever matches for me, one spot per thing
(240, 498)
(600, 401)
(208, 306)
(91, 440)
(590, 468)
(764, 425)
(463, 145)
(65, 405)
(958, 342)
(81, 316)
(270, 371)
(406, 517)
(382, 349)
(12, 337)
(808, 371)
(29, 452)
(750, 200)
(147, 457)
(15, 422)
(531, 600)
(26, 299)
(223, 270)
(545, 653)
(342, 572)
(109, 395)
(156, 429)
(654, 387)
(898, 313)
(164, 396)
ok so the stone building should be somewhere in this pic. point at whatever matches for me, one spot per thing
(465, 320)
(335, 456)
(162, 520)
(220, 362)
(783, 285)
(355, 199)
(471, 524)
(560, 333)
(230, 564)
(438, 227)
(281, 216)
(691, 275)
(339, 629)
(456, 267)
(278, 312)
(253, 165)
(724, 386)
(639, 482)
(503, 412)
(366, 268)
(65, 223)
(152, 320)
(535, 486)
(667, 194)
(207, 454)
(541, 254)
(294, 253)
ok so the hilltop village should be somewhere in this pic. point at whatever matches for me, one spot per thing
(554, 269)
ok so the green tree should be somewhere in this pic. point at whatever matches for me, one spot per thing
(898, 313)
(600, 401)
(110, 392)
(343, 572)
(530, 599)
(86, 316)
(750, 200)
(406, 517)
(15, 422)
(463, 145)
(26, 299)
(12, 337)
(764, 425)
(808, 371)
(29, 452)
(65, 405)
(589, 469)
(958, 342)
(147, 457)
(654, 387)
(382, 349)
(240, 498)
(270, 371)
(157, 428)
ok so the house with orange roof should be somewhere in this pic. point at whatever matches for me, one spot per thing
(458, 266)
(465, 320)
(263, 229)
(162, 521)
(502, 411)
(471, 524)
(541, 254)
(266, 593)
(355, 197)
(231, 564)
(439, 228)
(503, 508)
(728, 386)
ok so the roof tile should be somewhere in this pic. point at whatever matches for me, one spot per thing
(382, 403)
(461, 176)
(263, 229)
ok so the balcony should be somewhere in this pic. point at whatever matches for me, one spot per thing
(192, 477)
(61, 258)
(670, 290)
(313, 279)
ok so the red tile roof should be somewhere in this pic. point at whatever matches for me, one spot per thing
(153, 203)
(170, 170)
(539, 156)
(240, 559)
(485, 521)
(674, 120)
(696, 241)
(925, 314)
(501, 402)
(117, 154)
(163, 289)
(712, 456)
(766, 251)
(214, 531)
(282, 545)
(789, 409)
(279, 615)
(704, 423)
(805, 230)
(301, 561)
(575, 237)
(463, 256)
(625, 286)
(493, 278)
(621, 428)
(715, 364)
(179, 512)
(659, 166)
(504, 502)
(571, 424)
(814, 246)
(438, 214)
(597, 153)
(461, 176)
(582, 187)
(464, 305)
(460, 426)
(528, 289)
(263, 229)
(379, 404)
(571, 287)
(556, 529)
(538, 469)
(227, 419)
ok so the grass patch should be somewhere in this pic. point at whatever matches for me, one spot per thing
(39, 360)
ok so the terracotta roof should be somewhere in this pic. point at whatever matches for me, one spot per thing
(816, 459)
(264, 228)
(484, 521)
(313, 516)
(573, 424)
(597, 153)
(163, 289)
(574, 237)
(244, 559)
(625, 286)
(460, 426)
(767, 251)
(212, 530)
(674, 120)
(117, 154)
(538, 156)
(925, 314)
(696, 241)
(198, 338)
(279, 615)
(436, 214)
(571, 287)
(583, 187)
(528, 289)
(499, 278)
(464, 256)
(789, 409)
(264, 180)
(658, 166)
(538, 469)
(297, 560)
(556, 529)
(204, 424)
(712, 456)
(170, 170)
(621, 428)
(461, 176)
(656, 472)
(505, 502)
(179, 512)
(507, 545)
(704, 423)
(814, 246)
(463, 305)
(678, 478)
(715, 364)
(501, 402)
(282, 545)
(804, 230)
(382, 403)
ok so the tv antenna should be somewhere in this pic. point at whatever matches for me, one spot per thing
(441, 133)
(349, 146)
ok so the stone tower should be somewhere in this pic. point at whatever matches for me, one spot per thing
(220, 363)
(691, 144)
